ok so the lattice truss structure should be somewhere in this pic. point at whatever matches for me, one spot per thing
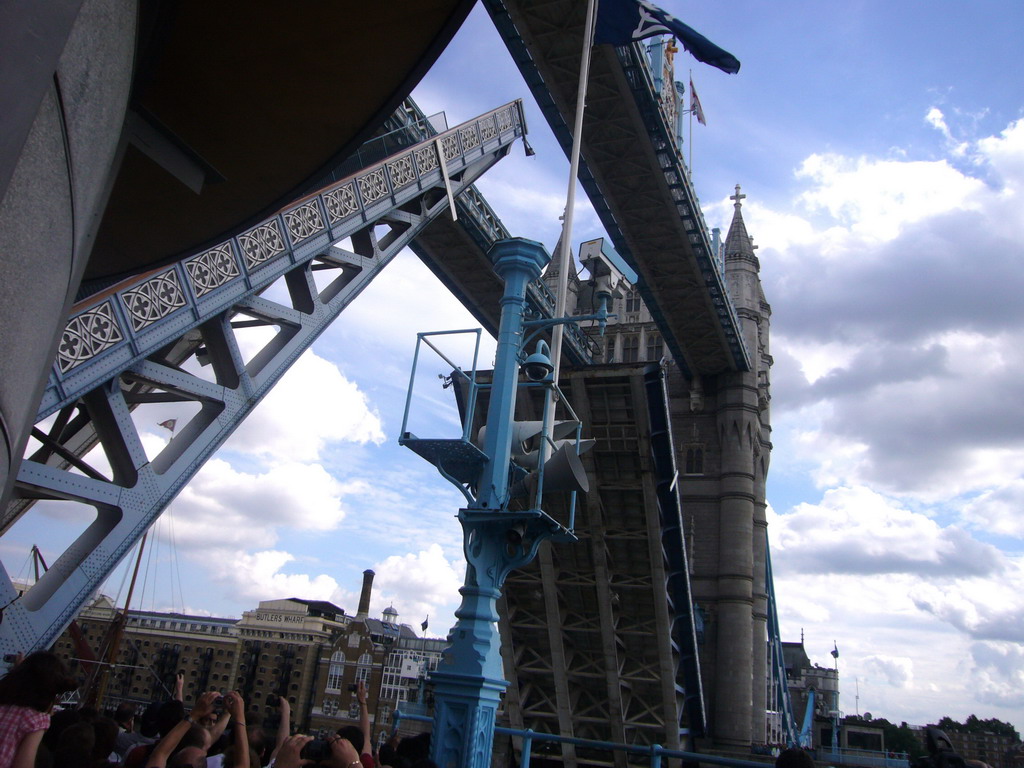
(172, 335)
(591, 632)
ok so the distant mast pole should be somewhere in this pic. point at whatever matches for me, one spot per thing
(570, 197)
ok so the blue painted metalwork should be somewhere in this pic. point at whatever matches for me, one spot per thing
(673, 544)
(804, 739)
(497, 536)
(777, 663)
(131, 345)
(866, 758)
(654, 752)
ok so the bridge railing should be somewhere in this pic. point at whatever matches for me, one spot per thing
(654, 752)
(865, 757)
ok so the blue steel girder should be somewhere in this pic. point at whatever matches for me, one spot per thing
(781, 701)
(137, 342)
(457, 252)
(633, 174)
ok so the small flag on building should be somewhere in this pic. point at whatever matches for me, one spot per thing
(169, 424)
(835, 650)
(621, 22)
(423, 626)
(695, 105)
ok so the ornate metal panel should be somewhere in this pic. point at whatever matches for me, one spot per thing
(153, 299)
(87, 335)
(373, 186)
(304, 221)
(401, 171)
(341, 202)
(261, 243)
(212, 269)
(469, 137)
(426, 158)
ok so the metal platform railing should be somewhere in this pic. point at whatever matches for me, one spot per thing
(654, 753)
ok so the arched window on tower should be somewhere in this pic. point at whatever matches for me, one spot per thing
(655, 348)
(633, 300)
(630, 348)
(609, 353)
(694, 460)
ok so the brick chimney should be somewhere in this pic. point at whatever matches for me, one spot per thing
(364, 596)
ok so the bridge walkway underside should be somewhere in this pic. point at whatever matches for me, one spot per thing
(634, 175)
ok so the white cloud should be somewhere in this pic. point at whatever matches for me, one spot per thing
(313, 405)
(898, 671)
(984, 609)
(857, 530)
(937, 120)
(258, 576)
(999, 673)
(420, 584)
(875, 199)
(1004, 154)
(1000, 510)
(223, 506)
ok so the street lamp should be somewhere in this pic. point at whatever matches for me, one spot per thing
(493, 474)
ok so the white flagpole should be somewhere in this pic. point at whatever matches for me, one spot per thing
(570, 201)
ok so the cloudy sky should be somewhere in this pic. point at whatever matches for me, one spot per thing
(881, 147)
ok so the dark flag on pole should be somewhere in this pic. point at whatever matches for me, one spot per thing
(424, 624)
(621, 22)
(835, 650)
(695, 105)
(169, 424)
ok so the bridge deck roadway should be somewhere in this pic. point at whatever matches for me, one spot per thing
(639, 188)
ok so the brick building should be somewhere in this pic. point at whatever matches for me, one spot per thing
(310, 651)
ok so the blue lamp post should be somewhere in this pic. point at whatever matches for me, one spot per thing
(496, 539)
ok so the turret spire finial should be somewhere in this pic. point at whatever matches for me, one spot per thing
(737, 197)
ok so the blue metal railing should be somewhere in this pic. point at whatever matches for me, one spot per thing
(654, 752)
(865, 757)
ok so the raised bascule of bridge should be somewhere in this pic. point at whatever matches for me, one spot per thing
(129, 270)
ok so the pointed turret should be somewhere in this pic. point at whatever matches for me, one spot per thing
(738, 242)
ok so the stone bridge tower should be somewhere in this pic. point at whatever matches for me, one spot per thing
(723, 430)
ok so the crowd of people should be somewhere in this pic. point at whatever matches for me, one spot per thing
(36, 733)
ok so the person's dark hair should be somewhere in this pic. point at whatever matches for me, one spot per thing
(106, 737)
(125, 711)
(169, 715)
(416, 747)
(794, 758)
(59, 721)
(147, 723)
(387, 755)
(75, 746)
(36, 682)
(194, 737)
(353, 734)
